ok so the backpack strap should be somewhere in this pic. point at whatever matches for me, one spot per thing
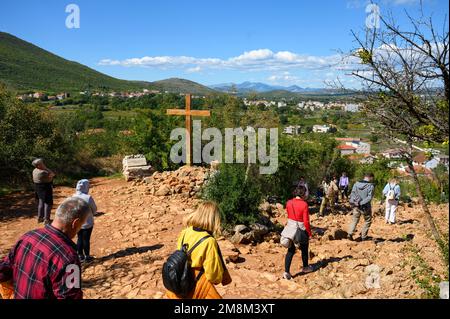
(197, 243)
(202, 271)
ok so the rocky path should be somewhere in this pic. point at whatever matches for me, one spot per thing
(135, 231)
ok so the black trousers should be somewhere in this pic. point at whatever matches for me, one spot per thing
(304, 247)
(84, 242)
(344, 191)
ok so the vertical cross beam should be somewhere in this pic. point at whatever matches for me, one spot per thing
(188, 131)
(187, 112)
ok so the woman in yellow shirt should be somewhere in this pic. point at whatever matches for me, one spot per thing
(207, 256)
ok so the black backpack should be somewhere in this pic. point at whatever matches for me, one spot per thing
(177, 274)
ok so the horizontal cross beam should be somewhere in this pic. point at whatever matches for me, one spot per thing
(188, 113)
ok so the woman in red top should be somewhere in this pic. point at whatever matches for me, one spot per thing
(297, 210)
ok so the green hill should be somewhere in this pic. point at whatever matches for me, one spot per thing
(26, 67)
(182, 86)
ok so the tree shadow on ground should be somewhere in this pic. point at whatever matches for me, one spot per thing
(124, 253)
(408, 237)
(408, 221)
(318, 230)
(323, 263)
(98, 214)
(18, 205)
(100, 279)
(123, 264)
(239, 260)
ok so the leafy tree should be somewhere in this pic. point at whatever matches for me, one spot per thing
(27, 132)
(405, 74)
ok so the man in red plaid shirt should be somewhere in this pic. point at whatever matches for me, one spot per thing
(44, 263)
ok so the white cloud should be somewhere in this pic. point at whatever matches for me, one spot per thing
(283, 78)
(404, 2)
(255, 60)
(195, 69)
(361, 4)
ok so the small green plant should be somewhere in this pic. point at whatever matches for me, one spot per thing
(424, 275)
(237, 196)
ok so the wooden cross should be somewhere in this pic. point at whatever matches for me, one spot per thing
(188, 113)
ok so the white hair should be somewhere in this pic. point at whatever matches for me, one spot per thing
(71, 209)
(37, 162)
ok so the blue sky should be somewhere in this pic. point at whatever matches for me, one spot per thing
(277, 42)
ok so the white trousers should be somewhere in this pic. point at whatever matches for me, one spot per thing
(391, 209)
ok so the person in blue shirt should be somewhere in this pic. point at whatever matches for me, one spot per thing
(392, 194)
(343, 186)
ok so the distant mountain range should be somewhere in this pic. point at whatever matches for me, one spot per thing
(248, 87)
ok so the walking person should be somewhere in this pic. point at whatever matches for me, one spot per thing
(333, 193)
(360, 198)
(392, 194)
(303, 183)
(84, 235)
(206, 260)
(324, 185)
(297, 231)
(43, 183)
(329, 200)
(44, 263)
(343, 186)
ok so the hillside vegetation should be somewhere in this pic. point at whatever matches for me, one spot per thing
(26, 67)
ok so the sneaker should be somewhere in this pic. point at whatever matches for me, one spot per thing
(287, 276)
(307, 270)
(82, 258)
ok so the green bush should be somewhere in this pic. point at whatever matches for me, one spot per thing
(238, 198)
(431, 190)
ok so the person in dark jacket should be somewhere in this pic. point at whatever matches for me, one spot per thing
(361, 198)
(43, 183)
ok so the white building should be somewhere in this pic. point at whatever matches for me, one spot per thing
(351, 107)
(321, 128)
(394, 153)
(345, 149)
(292, 130)
(367, 159)
(282, 104)
(259, 102)
(311, 105)
(361, 147)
